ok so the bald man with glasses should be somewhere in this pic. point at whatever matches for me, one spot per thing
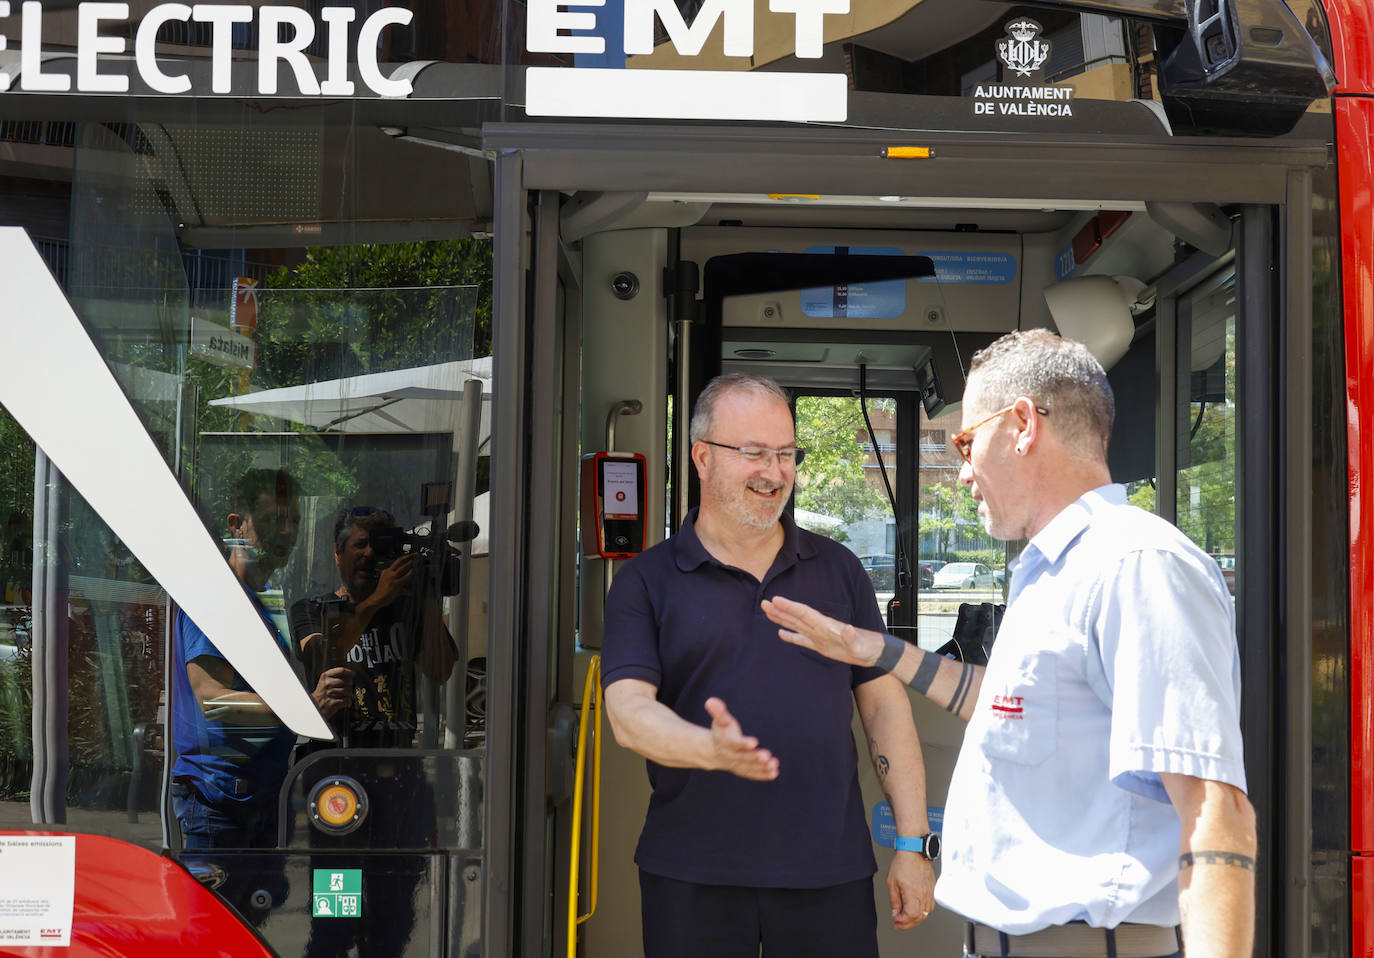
(756, 835)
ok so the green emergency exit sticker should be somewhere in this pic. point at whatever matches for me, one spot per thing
(338, 893)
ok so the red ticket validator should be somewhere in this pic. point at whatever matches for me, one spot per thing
(613, 505)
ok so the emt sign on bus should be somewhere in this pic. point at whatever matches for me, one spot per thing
(285, 33)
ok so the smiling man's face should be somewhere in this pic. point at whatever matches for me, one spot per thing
(749, 494)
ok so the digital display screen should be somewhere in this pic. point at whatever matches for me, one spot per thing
(620, 489)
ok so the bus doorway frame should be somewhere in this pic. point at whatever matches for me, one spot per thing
(536, 164)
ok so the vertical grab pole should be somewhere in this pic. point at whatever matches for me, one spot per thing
(591, 701)
(594, 680)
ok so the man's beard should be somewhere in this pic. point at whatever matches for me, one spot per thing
(362, 583)
(739, 504)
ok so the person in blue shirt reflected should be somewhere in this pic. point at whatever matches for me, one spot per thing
(1099, 795)
(232, 751)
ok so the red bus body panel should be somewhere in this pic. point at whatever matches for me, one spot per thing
(1355, 153)
(1352, 38)
(132, 902)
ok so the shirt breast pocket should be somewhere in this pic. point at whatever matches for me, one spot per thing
(1022, 712)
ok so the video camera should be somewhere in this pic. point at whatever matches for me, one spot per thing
(438, 565)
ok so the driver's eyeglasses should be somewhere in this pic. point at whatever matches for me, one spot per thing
(964, 441)
(763, 455)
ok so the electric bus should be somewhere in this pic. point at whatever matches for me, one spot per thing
(454, 261)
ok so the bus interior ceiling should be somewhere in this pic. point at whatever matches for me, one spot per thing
(993, 263)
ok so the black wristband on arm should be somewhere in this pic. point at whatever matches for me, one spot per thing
(893, 648)
(925, 672)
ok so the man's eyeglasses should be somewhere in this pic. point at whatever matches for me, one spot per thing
(763, 455)
(964, 441)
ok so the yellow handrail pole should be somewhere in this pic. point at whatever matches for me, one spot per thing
(579, 782)
(599, 706)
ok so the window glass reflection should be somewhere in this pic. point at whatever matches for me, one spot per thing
(1207, 451)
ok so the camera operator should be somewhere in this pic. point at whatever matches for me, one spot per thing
(381, 622)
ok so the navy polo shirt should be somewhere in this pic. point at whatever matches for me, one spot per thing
(683, 622)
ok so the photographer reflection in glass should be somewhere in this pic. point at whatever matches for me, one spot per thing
(382, 621)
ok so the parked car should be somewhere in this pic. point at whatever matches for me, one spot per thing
(1227, 562)
(927, 569)
(999, 578)
(882, 571)
(964, 575)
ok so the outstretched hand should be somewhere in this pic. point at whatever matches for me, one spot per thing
(736, 752)
(804, 626)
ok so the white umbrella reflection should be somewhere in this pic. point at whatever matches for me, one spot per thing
(418, 399)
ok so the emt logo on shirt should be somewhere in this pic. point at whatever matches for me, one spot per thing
(1008, 706)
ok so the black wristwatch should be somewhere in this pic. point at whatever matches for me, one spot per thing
(927, 846)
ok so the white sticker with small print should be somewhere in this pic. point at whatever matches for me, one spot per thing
(37, 889)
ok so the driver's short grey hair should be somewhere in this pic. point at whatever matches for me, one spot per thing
(1058, 374)
(704, 412)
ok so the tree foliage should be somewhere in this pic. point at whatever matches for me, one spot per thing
(833, 481)
(16, 505)
(1207, 482)
(397, 313)
(1207, 489)
(945, 511)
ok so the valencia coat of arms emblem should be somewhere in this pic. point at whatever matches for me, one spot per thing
(1022, 50)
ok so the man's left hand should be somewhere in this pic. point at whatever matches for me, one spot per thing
(804, 626)
(910, 889)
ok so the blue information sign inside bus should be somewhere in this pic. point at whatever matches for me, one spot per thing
(884, 300)
(971, 269)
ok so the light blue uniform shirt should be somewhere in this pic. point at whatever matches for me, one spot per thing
(1116, 661)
